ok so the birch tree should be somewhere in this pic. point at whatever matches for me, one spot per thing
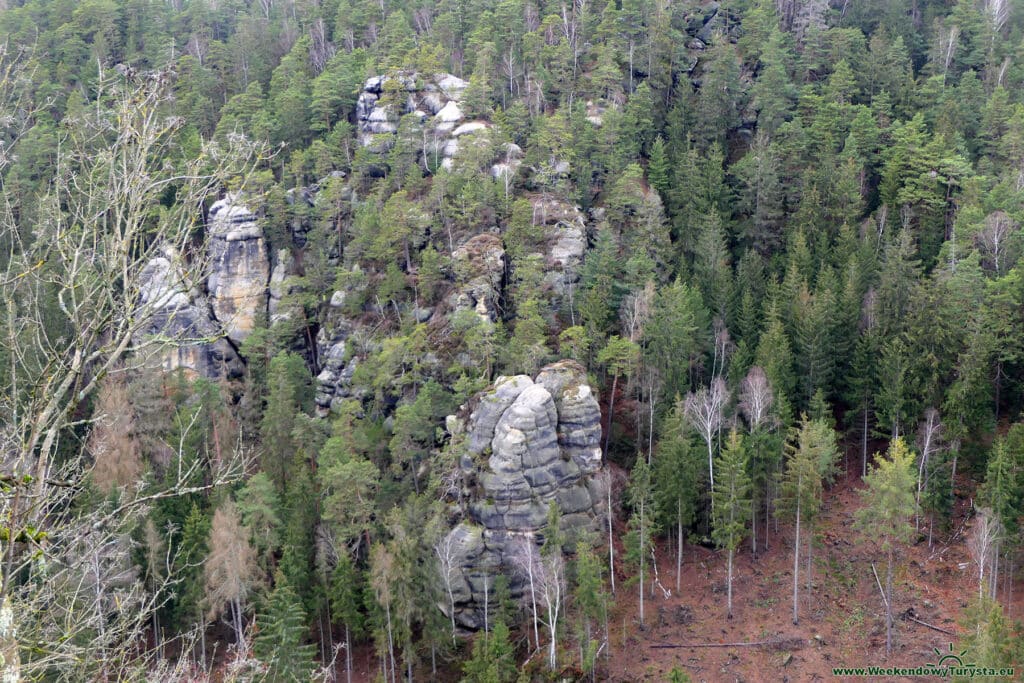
(756, 399)
(703, 409)
(928, 441)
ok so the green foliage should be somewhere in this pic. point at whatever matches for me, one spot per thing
(281, 640)
(819, 193)
(289, 393)
(492, 660)
(731, 506)
(889, 498)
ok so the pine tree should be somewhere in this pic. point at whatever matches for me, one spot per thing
(280, 641)
(887, 513)
(732, 502)
(620, 357)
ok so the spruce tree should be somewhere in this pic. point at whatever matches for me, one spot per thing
(731, 510)
(811, 453)
(642, 526)
(281, 640)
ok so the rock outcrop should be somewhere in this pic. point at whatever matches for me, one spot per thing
(239, 268)
(181, 333)
(528, 443)
(479, 266)
(434, 104)
(566, 236)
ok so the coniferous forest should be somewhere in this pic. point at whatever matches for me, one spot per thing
(510, 340)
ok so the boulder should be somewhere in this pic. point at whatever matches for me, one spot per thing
(528, 443)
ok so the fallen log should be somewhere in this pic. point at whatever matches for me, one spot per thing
(908, 615)
(791, 643)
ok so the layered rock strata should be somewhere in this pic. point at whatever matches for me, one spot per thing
(528, 443)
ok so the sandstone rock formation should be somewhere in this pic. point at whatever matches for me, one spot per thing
(433, 102)
(239, 268)
(479, 266)
(528, 442)
(566, 233)
(181, 332)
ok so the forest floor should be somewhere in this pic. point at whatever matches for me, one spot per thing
(842, 620)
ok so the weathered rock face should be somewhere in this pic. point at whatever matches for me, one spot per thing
(433, 102)
(239, 268)
(479, 266)
(182, 333)
(528, 442)
(566, 233)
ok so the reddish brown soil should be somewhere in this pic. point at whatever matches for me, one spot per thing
(842, 622)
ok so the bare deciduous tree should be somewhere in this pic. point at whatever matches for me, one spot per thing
(928, 437)
(995, 239)
(446, 550)
(71, 311)
(983, 543)
(546, 576)
(230, 570)
(755, 397)
(703, 408)
(112, 444)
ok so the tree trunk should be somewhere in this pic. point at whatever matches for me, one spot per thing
(641, 582)
(711, 469)
(679, 544)
(348, 656)
(391, 641)
(796, 567)
(810, 553)
(728, 599)
(864, 445)
(754, 504)
(888, 607)
(611, 415)
(533, 603)
(611, 544)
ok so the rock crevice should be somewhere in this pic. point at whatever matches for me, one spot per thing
(528, 442)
